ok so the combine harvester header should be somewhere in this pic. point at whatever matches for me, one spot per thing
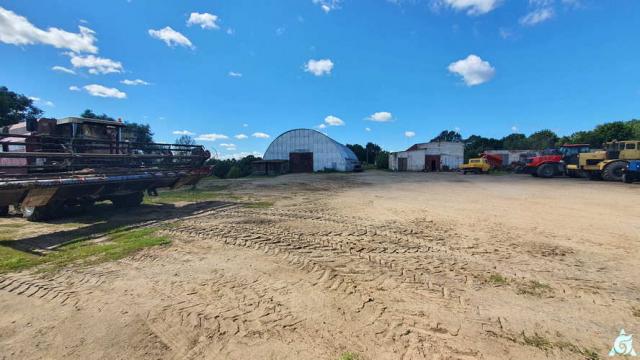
(49, 164)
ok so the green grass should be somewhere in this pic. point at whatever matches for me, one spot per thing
(534, 288)
(117, 245)
(349, 356)
(498, 279)
(537, 341)
(188, 195)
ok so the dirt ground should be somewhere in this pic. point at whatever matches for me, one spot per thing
(383, 265)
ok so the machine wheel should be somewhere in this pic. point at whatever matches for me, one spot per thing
(573, 174)
(125, 201)
(464, 172)
(4, 210)
(614, 171)
(626, 179)
(546, 171)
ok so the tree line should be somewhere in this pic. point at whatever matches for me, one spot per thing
(15, 108)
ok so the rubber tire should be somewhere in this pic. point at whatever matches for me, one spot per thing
(4, 210)
(546, 171)
(573, 174)
(127, 201)
(626, 179)
(613, 171)
(37, 213)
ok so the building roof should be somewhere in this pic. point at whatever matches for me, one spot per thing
(343, 150)
(81, 120)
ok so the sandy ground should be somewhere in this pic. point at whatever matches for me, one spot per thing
(389, 266)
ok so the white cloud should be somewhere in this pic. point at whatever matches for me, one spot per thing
(472, 7)
(382, 116)
(333, 121)
(319, 67)
(135, 82)
(260, 135)
(183, 132)
(367, 129)
(225, 145)
(63, 69)
(205, 20)
(473, 70)
(74, 88)
(321, 126)
(49, 103)
(230, 31)
(34, 98)
(514, 128)
(409, 134)
(105, 92)
(245, 125)
(240, 155)
(95, 64)
(537, 16)
(43, 102)
(171, 37)
(17, 30)
(327, 5)
(241, 136)
(281, 30)
(211, 137)
(234, 74)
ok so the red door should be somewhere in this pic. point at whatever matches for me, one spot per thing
(432, 162)
(301, 162)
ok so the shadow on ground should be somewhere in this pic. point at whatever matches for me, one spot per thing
(104, 218)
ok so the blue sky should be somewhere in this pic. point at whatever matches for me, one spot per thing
(392, 72)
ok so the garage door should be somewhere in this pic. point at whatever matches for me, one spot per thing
(300, 162)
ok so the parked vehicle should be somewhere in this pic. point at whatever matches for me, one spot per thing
(49, 164)
(557, 162)
(482, 165)
(632, 172)
(609, 163)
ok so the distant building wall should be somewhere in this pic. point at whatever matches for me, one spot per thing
(451, 156)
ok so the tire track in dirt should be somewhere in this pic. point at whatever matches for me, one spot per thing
(330, 260)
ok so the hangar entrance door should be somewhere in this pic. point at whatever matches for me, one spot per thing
(301, 162)
(402, 164)
(432, 162)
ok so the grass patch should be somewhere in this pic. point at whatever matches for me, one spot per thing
(260, 205)
(537, 341)
(349, 356)
(498, 279)
(534, 288)
(188, 195)
(117, 245)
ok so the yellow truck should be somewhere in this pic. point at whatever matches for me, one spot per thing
(609, 164)
(481, 165)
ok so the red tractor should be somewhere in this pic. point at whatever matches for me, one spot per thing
(557, 162)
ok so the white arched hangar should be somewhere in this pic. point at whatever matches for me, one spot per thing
(310, 150)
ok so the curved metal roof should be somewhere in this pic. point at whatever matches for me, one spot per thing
(344, 151)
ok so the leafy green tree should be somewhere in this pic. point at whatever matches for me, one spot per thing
(359, 150)
(515, 142)
(185, 140)
(234, 172)
(475, 145)
(371, 152)
(448, 135)
(91, 115)
(382, 160)
(542, 139)
(15, 108)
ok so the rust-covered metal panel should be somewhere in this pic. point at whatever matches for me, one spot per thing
(39, 196)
